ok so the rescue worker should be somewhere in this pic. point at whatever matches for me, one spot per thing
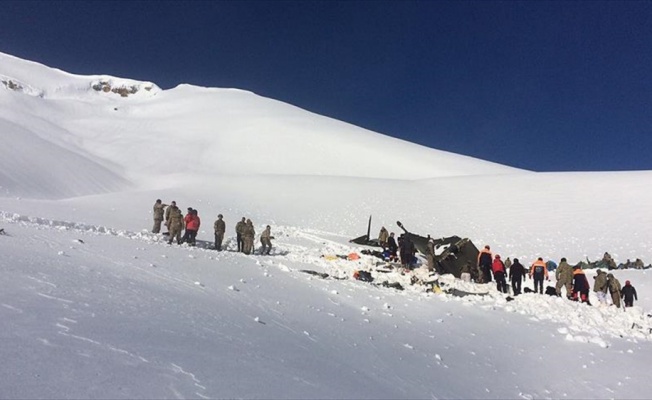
(430, 255)
(538, 272)
(580, 286)
(564, 276)
(600, 286)
(192, 227)
(175, 224)
(629, 294)
(407, 252)
(248, 233)
(187, 220)
(239, 229)
(508, 264)
(266, 240)
(159, 209)
(516, 276)
(393, 247)
(219, 227)
(484, 262)
(638, 264)
(498, 268)
(383, 236)
(614, 289)
(609, 261)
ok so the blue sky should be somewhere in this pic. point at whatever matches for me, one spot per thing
(546, 86)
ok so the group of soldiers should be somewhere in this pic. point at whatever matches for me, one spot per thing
(176, 223)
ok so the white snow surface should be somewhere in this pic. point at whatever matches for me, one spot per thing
(94, 306)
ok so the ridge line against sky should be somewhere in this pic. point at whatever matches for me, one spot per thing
(544, 86)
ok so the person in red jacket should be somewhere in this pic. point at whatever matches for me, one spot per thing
(538, 272)
(498, 268)
(192, 227)
(580, 286)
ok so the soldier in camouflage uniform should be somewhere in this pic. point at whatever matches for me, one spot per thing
(248, 234)
(614, 289)
(383, 236)
(159, 208)
(564, 275)
(175, 224)
(219, 227)
(266, 240)
(600, 286)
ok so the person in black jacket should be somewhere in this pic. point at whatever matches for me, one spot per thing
(628, 292)
(580, 286)
(516, 276)
(392, 246)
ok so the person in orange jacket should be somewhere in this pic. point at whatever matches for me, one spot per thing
(538, 272)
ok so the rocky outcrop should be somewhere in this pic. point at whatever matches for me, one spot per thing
(122, 90)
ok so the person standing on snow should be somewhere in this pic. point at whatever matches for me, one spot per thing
(192, 227)
(158, 210)
(498, 268)
(168, 211)
(614, 288)
(266, 240)
(538, 272)
(516, 276)
(175, 224)
(393, 247)
(248, 233)
(383, 236)
(600, 286)
(629, 294)
(239, 230)
(219, 227)
(484, 263)
(508, 264)
(580, 286)
(564, 275)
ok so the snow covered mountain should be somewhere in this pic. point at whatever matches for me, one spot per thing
(94, 306)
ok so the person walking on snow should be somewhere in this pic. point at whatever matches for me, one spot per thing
(484, 263)
(159, 208)
(614, 289)
(564, 275)
(629, 294)
(516, 276)
(538, 272)
(498, 268)
(600, 286)
(392, 247)
(266, 240)
(219, 227)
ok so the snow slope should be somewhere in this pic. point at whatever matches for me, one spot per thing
(93, 306)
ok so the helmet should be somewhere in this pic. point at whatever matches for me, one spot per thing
(626, 282)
